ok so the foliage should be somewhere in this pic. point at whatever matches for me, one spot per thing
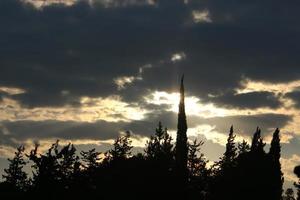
(91, 159)
(160, 146)
(121, 148)
(14, 174)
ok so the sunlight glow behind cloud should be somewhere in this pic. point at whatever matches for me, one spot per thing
(192, 103)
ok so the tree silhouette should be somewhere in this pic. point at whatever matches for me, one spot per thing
(60, 172)
(160, 146)
(68, 158)
(91, 159)
(196, 160)
(54, 171)
(224, 170)
(181, 140)
(46, 167)
(68, 163)
(274, 152)
(256, 140)
(46, 174)
(198, 173)
(230, 154)
(14, 174)
(258, 144)
(121, 148)
(243, 147)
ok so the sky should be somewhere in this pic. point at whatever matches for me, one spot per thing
(87, 71)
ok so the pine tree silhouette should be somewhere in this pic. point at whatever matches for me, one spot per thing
(14, 174)
(243, 147)
(160, 145)
(224, 170)
(121, 148)
(256, 140)
(181, 140)
(91, 159)
(196, 160)
(68, 164)
(230, 154)
(46, 173)
(198, 173)
(68, 158)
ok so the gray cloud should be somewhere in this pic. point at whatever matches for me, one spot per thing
(23, 130)
(292, 147)
(247, 124)
(295, 96)
(102, 130)
(81, 49)
(249, 100)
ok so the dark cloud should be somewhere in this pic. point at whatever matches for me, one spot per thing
(295, 96)
(249, 100)
(81, 49)
(246, 124)
(22, 130)
(99, 130)
(102, 130)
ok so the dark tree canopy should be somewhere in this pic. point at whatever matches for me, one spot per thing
(243, 147)
(121, 148)
(90, 159)
(160, 146)
(230, 154)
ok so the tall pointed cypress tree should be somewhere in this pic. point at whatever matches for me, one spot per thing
(181, 140)
(274, 152)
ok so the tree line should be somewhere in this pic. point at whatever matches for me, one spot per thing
(166, 169)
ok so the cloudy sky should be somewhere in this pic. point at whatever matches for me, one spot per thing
(86, 71)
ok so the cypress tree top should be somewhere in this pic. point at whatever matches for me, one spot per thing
(181, 140)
